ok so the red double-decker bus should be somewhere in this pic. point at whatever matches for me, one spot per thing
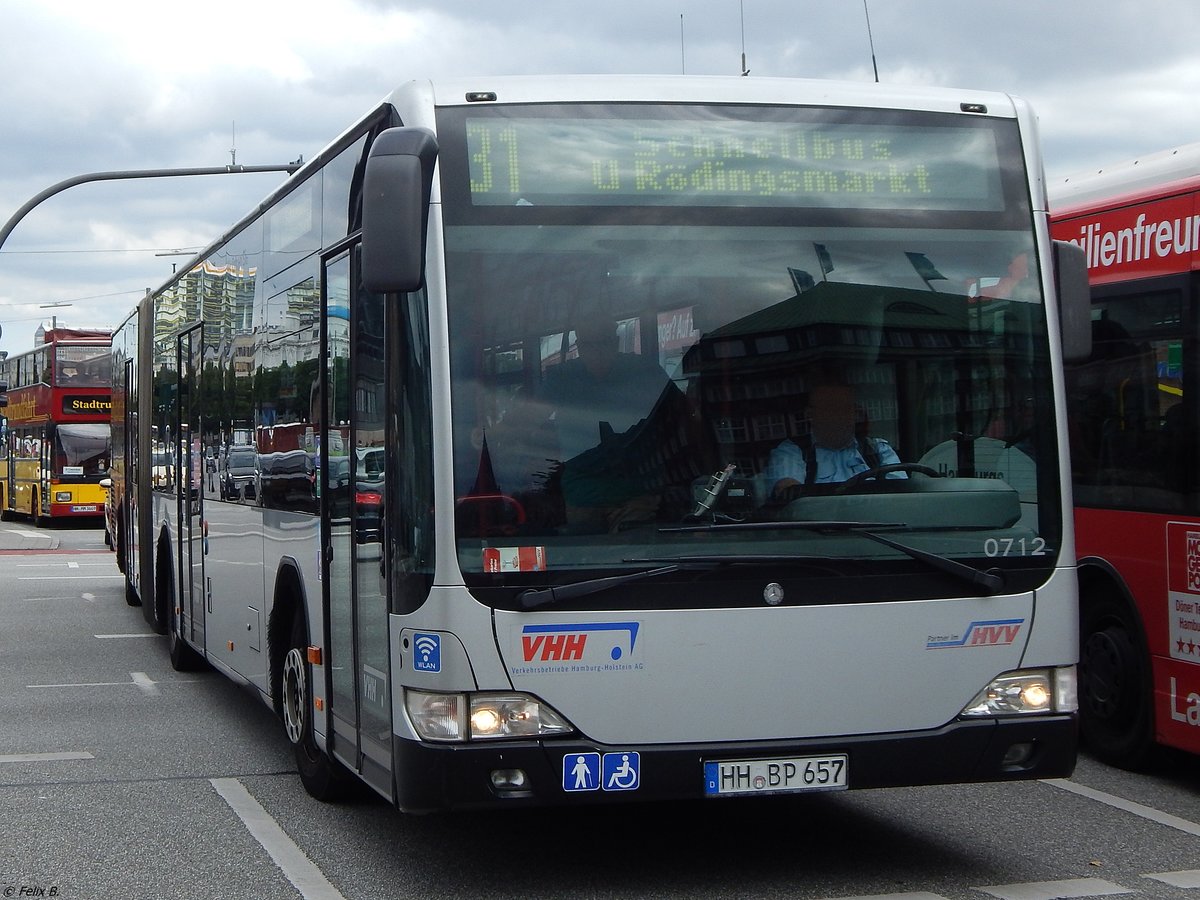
(1133, 413)
(57, 442)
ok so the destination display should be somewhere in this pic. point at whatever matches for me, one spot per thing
(547, 161)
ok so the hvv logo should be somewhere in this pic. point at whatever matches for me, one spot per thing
(562, 643)
(996, 633)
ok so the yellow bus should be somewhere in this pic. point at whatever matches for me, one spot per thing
(57, 440)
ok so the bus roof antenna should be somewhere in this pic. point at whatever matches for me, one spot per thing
(870, 40)
(682, 54)
(742, 9)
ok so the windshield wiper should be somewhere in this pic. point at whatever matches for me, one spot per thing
(534, 597)
(798, 525)
(990, 581)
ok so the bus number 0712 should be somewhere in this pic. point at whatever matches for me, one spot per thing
(993, 547)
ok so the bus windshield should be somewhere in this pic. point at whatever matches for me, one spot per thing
(675, 338)
(82, 449)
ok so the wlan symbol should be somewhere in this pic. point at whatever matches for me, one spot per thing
(428, 657)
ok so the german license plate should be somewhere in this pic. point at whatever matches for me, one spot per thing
(724, 778)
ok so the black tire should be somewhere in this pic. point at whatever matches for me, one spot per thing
(323, 777)
(1116, 711)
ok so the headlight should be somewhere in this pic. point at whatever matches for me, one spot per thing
(478, 717)
(1026, 692)
(62, 496)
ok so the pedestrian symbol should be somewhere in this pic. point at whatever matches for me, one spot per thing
(581, 772)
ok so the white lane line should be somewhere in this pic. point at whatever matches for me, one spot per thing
(66, 577)
(1146, 812)
(139, 634)
(1189, 878)
(1055, 890)
(903, 895)
(43, 757)
(292, 861)
(140, 680)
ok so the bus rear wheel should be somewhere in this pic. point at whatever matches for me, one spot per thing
(322, 776)
(1116, 721)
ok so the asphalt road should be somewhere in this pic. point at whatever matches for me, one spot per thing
(120, 778)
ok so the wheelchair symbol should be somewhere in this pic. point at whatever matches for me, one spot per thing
(622, 771)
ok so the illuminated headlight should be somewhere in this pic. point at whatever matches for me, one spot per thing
(62, 496)
(1026, 692)
(480, 717)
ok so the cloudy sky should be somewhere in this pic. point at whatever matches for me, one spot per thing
(136, 84)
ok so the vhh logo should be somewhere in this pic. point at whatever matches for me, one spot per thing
(561, 643)
(553, 647)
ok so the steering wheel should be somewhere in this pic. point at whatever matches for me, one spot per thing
(883, 471)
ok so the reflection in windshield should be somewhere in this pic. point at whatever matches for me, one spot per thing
(608, 398)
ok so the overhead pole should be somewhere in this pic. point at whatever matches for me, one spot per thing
(67, 183)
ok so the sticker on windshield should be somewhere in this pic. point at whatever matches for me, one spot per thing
(514, 559)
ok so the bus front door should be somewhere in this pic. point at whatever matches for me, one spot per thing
(352, 443)
(191, 494)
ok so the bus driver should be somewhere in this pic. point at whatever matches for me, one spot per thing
(834, 451)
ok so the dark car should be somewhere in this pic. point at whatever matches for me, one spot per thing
(287, 480)
(366, 493)
(238, 477)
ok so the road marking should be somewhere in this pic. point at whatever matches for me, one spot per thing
(1053, 890)
(139, 634)
(1186, 879)
(904, 895)
(43, 757)
(140, 680)
(145, 685)
(292, 861)
(90, 598)
(66, 577)
(1146, 812)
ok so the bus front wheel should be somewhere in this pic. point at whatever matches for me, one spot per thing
(323, 777)
(1116, 717)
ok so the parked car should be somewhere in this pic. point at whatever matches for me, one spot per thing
(238, 477)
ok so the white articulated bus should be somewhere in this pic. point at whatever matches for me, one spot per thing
(542, 509)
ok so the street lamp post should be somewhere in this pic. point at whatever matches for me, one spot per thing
(66, 183)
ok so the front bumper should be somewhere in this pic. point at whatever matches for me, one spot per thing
(433, 777)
